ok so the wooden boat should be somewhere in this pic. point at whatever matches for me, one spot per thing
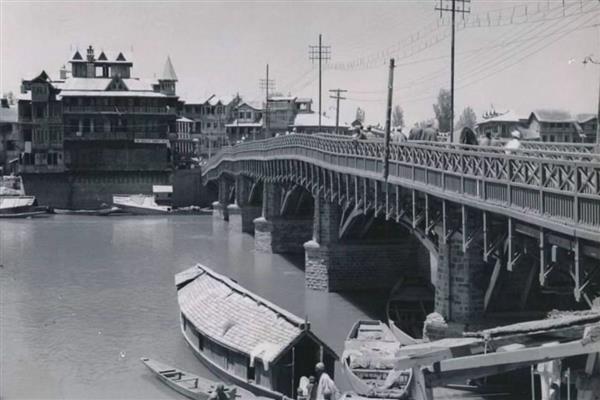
(368, 362)
(19, 207)
(26, 214)
(100, 211)
(159, 202)
(189, 385)
(245, 339)
(410, 301)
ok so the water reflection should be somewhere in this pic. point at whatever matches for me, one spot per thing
(82, 298)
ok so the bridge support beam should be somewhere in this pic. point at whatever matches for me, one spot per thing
(220, 210)
(333, 265)
(274, 233)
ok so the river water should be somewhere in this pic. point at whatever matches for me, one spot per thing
(83, 298)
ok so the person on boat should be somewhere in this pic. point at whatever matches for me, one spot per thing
(326, 389)
(219, 393)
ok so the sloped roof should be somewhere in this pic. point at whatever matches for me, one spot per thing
(582, 118)
(508, 116)
(234, 316)
(552, 116)
(256, 105)
(9, 115)
(168, 71)
(223, 100)
(77, 56)
(184, 119)
(100, 84)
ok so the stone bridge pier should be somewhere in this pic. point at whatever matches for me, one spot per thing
(353, 249)
(285, 222)
(246, 206)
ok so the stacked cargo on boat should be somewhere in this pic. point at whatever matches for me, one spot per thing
(244, 338)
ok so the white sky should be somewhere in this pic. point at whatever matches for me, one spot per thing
(222, 47)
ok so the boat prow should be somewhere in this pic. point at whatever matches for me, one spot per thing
(139, 204)
(190, 385)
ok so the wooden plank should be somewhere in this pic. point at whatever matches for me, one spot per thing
(492, 285)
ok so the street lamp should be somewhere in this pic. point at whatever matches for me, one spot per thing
(587, 60)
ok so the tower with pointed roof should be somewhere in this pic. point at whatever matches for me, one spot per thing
(168, 79)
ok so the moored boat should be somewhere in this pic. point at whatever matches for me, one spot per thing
(19, 207)
(368, 362)
(245, 339)
(159, 202)
(100, 211)
(189, 385)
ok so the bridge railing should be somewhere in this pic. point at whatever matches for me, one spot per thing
(565, 189)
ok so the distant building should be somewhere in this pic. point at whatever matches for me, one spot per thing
(11, 141)
(99, 119)
(211, 117)
(555, 126)
(309, 123)
(500, 125)
(282, 112)
(184, 146)
(543, 125)
(248, 122)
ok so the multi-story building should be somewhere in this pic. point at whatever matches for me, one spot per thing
(248, 123)
(555, 126)
(211, 117)
(282, 111)
(100, 126)
(11, 143)
(544, 125)
(500, 125)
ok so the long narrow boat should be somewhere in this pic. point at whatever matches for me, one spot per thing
(189, 385)
(99, 211)
(245, 339)
(368, 362)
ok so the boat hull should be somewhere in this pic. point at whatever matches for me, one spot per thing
(202, 389)
(225, 375)
(25, 214)
(142, 210)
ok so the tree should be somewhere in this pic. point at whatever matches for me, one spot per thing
(398, 117)
(360, 115)
(467, 119)
(443, 110)
(10, 97)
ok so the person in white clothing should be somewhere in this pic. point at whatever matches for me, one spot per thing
(326, 389)
(514, 143)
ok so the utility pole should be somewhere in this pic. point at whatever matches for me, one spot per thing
(267, 84)
(388, 121)
(337, 98)
(319, 53)
(463, 10)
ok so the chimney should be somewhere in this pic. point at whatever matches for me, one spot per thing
(63, 72)
(90, 54)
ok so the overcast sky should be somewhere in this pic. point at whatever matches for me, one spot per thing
(533, 60)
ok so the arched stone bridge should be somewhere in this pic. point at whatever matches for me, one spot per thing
(490, 222)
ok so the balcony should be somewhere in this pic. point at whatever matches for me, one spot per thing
(92, 136)
(118, 110)
(41, 169)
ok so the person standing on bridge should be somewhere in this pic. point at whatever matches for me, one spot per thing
(514, 143)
